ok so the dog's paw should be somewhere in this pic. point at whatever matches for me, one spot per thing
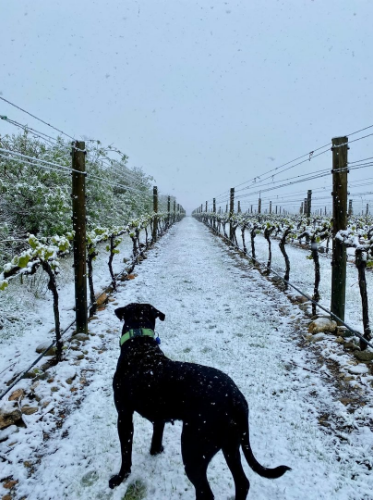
(156, 451)
(117, 479)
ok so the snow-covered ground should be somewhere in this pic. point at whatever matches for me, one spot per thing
(219, 312)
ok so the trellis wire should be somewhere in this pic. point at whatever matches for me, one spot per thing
(36, 118)
(38, 160)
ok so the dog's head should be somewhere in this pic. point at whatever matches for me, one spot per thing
(139, 316)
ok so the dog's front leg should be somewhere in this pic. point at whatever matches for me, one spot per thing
(125, 434)
(158, 431)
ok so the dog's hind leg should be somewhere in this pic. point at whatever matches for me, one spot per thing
(125, 434)
(158, 431)
(231, 453)
(197, 453)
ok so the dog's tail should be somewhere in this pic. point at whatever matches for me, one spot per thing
(256, 466)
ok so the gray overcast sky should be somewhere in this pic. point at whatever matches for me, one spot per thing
(203, 95)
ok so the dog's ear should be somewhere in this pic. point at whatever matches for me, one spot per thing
(158, 314)
(120, 312)
(161, 315)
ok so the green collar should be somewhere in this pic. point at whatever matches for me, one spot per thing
(136, 332)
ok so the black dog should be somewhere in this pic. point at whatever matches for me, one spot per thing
(213, 410)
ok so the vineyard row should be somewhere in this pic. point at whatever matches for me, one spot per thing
(47, 255)
(317, 236)
(45, 252)
(338, 230)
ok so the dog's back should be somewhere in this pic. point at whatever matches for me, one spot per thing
(159, 388)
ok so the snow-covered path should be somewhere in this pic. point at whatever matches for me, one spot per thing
(219, 312)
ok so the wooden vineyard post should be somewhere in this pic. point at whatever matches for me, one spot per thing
(168, 211)
(155, 211)
(309, 205)
(79, 227)
(259, 206)
(231, 213)
(214, 211)
(174, 214)
(339, 222)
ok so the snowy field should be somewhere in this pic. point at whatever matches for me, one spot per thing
(219, 312)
